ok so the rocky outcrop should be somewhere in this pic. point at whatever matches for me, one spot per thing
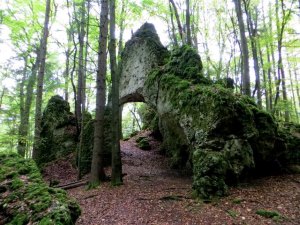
(223, 136)
(142, 54)
(59, 132)
(26, 199)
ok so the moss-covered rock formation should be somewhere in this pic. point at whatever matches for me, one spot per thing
(222, 135)
(26, 199)
(59, 132)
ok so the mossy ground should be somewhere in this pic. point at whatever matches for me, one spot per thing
(26, 199)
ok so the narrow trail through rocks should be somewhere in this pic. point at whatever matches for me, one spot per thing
(154, 194)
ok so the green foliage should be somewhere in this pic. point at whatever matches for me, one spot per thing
(148, 117)
(268, 214)
(237, 201)
(25, 198)
(232, 213)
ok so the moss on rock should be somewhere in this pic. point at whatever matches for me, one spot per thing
(224, 134)
(143, 143)
(26, 199)
(59, 132)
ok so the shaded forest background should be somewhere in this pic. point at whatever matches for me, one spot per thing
(256, 43)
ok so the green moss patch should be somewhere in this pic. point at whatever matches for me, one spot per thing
(143, 143)
(268, 214)
(25, 198)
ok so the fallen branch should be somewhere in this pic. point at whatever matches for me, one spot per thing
(72, 185)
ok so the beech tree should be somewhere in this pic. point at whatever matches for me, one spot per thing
(41, 57)
(116, 178)
(97, 167)
(244, 49)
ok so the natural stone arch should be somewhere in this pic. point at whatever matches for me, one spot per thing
(224, 135)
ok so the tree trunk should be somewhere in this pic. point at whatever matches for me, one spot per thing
(116, 177)
(293, 92)
(40, 81)
(280, 69)
(97, 167)
(252, 29)
(188, 23)
(244, 50)
(22, 139)
(266, 81)
(173, 26)
(80, 81)
(180, 30)
(67, 69)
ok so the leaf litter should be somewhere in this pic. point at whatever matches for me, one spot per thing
(152, 193)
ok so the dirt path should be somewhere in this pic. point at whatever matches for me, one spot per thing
(154, 194)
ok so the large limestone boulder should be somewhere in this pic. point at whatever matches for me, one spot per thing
(223, 136)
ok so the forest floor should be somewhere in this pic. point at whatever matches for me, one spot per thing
(154, 194)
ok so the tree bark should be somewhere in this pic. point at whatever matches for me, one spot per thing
(246, 90)
(97, 167)
(116, 177)
(188, 23)
(40, 81)
(173, 26)
(180, 30)
(280, 25)
(22, 139)
(252, 29)
(80, 81)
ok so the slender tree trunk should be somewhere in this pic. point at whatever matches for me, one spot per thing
(97, 167)
(180, 30)
(244, 47)
(40, 82)
(135, 119)
(188, 23)
(67, 64)
(173, 26)
(83, 97)
(280, 69)
(252, 29)
(116, 177)
(22, 139)
(293, 92)
(120, 49)
(122, 28)
(80, 81)
(297, 86)
(267, 94)
(194, 26)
